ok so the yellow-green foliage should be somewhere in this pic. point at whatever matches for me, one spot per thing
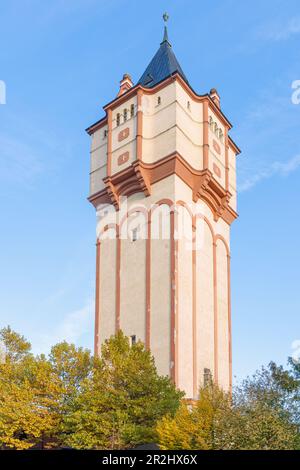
(263, 414)
(193, 426)
(122, 400)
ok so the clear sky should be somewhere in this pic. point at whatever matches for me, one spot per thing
(61, 62)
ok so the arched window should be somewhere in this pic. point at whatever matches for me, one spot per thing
(118, 119)
(158, 101)
(105, 134)
(132, 110)
(125, 115)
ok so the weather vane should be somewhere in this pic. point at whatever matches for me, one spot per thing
(165, 17)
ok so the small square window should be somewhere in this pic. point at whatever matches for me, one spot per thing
(132, 340)
(132, 110)
(135, 234)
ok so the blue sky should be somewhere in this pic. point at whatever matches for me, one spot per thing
(61, 62)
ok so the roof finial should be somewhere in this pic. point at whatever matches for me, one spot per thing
(165, 17)
(165, 39)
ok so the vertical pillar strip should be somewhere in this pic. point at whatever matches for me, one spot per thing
(194, 325)
(205, 136)
(97, 301)
(118, 286)
(229, 322)
(148, 282)
(174, 301)
(109, 141)
(216, 359)
(226, 160)
(139, 126)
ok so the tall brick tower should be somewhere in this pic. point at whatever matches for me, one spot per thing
(164, 153)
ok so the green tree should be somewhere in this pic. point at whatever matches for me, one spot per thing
(15, 347)
(28, 394)
(261, 415)
(197, 426)
(122, 400)
(71, 366)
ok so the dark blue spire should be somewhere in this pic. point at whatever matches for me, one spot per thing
(163, 65)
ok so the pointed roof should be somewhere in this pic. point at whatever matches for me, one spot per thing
(163, 65)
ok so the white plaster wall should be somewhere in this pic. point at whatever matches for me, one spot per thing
(131, 149)
(160, 300)
(98, 160)
(219, 161)
(189, 121)
(96, 179)
(98, 138)
(184, 333)
(133, 288)
(159, 147)
(191, 152)
(220, 227)
(150, 102)
(120, 109)
(129, 143)
(171, 126)
(205, 300)
(107, 288)
(160, 296)
(196, 108)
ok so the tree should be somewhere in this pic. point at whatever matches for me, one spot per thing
(121, 402)
(28, 394)
(261, 415)
(35, 392)
(195, 427)
(71, 366)
(15, 346)
(267, 407)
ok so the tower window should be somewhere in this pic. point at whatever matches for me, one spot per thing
(158, 101)
(132, 340)
(135, 234)
(132, 110)
(105, 134)
(118, 119)
(125, 115)
(207, 377)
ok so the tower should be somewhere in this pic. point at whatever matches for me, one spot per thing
(163, 182)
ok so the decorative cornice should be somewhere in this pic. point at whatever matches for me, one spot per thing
(139, 177)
